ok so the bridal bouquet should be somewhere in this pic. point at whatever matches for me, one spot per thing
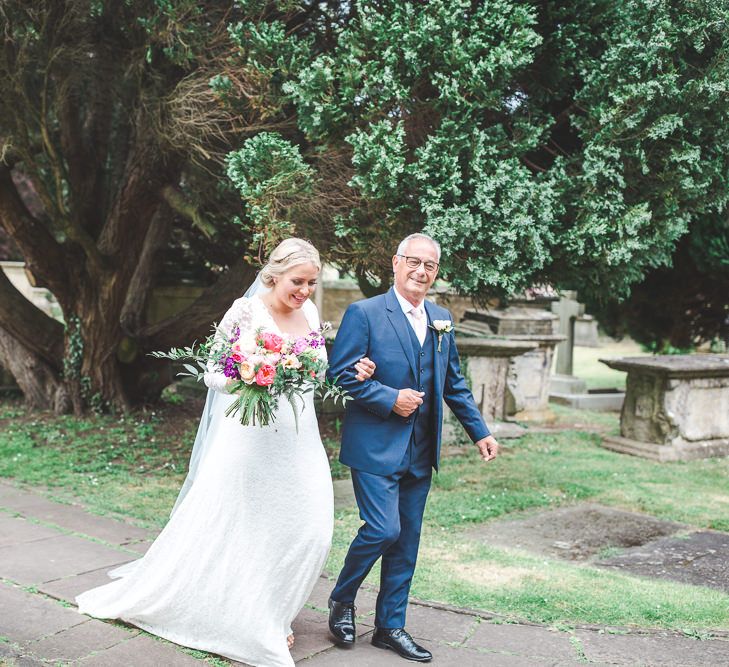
(262, 366)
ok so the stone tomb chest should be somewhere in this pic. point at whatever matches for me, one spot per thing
(676, 406)
(527, 380)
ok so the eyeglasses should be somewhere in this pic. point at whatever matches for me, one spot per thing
(415, 262)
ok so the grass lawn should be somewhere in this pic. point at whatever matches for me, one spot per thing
(587, 366)
(133, 467)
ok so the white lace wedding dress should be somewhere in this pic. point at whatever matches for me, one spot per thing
(245, 545)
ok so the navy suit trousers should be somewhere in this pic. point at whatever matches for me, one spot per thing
(391, 507)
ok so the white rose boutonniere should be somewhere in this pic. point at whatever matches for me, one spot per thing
(442, 327)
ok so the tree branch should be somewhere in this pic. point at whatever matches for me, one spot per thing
(531, 164)
(39, 382)
(44, 256)
(38, 332)
(193, 323)
(143, 277)
(145, 171)
(179, 203)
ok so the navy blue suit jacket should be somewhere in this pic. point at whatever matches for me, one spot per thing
(374, 438)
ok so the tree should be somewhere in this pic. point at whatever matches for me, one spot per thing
(681, 306)
(111, 146)
(573, 143)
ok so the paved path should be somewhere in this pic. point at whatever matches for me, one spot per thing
(50, 552)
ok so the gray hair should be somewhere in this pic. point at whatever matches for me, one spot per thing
(404, 243)
(287, 254)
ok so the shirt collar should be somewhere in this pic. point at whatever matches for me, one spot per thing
(404, 303)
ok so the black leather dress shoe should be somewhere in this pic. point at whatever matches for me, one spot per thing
(341, 622)
(402, 643)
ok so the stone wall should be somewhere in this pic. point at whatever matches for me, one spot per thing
(338, 294)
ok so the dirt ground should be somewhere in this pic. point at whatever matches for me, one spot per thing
(575, 533)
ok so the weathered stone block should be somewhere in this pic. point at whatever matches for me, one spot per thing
(528, 374)
(676, 402)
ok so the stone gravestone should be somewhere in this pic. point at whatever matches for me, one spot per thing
(567, 309)
(485, 362)
(586, 331)
(565, 388)
(676, 407)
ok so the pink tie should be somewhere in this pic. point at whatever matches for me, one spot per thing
(419, 324)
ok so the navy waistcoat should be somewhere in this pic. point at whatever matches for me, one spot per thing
(423, 429)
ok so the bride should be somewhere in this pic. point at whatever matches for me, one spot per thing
(251, 529)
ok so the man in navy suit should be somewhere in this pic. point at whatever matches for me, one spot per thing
(392, 432)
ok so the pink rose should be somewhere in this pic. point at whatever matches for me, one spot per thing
(272, 341)
(265, 375)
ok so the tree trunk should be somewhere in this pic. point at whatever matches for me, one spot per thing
(41, 385)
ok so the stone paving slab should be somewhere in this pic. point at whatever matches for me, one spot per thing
(79, 641)
(12, 656)
(428, 624)
(57, 557)
(365, 602)
(699, 559)
(139, 548)
(17, 530)
(657, 650)
(27, 616)
(524, 640)
(69, 517)
(311, 629)
(363, 654)
(67, 588)
(141, 651)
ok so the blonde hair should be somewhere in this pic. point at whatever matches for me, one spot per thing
(287, 254)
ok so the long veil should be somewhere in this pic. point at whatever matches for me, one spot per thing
(201, 445)
(199, 449)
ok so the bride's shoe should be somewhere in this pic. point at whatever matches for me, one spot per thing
(290, 640)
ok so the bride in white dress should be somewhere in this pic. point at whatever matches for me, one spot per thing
(251, 530)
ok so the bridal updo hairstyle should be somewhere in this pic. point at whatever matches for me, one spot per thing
(287, 254)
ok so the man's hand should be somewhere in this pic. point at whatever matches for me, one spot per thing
(365, 369)
(488, 447)
(407, 402)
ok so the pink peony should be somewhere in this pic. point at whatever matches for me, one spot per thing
(272, 341)
(265, 375)
(236, 354)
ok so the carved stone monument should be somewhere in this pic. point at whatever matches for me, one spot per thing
(586, 331)
(676, 407)
(567, 309)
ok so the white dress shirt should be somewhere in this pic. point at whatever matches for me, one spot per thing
(420, 326)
